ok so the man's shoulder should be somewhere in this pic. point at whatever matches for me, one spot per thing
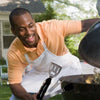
(15, 46)
(48, 21)
(16, 51)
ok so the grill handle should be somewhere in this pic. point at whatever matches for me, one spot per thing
(44, 88)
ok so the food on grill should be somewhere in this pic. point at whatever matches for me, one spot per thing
(89, 80)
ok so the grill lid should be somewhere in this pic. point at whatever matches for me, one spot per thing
(89, 48)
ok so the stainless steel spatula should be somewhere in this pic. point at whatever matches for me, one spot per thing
(54, 70)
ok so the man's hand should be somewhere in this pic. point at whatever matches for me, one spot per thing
(21, 93)
(35, 96)
(30, 97)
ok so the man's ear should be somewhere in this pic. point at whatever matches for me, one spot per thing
(13, 31)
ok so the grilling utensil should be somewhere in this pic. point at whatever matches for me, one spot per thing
(54, 70)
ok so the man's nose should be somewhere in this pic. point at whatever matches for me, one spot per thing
(28, 31)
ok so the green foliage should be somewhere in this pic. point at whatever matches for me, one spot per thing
(5, 92)
(48, 14)
(74, 8)
(2, 61)
(57, 97)
(72, 42)
(4, 69)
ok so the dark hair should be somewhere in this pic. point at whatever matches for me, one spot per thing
(17, 12)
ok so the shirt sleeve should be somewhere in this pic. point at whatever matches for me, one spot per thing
(70, 27)
(63, 27)
(15, 68)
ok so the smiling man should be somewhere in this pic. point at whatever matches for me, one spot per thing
(35, 47)
(25, 29)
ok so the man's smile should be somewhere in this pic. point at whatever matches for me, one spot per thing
(30, 38)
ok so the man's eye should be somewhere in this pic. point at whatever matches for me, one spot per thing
(21, 29)
(31, 26)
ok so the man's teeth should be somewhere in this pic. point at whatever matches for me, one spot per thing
(30, 36)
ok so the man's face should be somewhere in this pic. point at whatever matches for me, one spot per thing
(25, 28)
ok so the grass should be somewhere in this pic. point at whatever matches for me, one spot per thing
(57, 97)
(5, 94)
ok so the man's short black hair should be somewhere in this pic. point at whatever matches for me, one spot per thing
(17, 12)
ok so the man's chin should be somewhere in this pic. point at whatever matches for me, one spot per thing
(31, 45)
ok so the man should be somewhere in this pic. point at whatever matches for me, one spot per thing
(36, 46)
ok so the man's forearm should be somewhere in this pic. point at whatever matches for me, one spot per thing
(20, 92)
(86, 24)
